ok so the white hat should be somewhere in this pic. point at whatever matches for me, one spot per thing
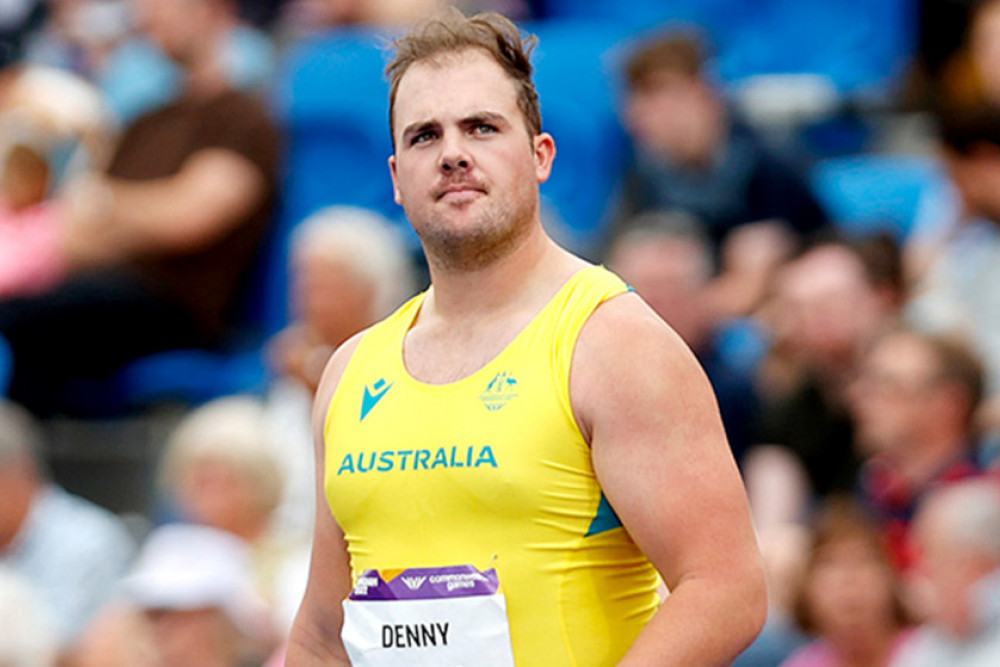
(187, 566)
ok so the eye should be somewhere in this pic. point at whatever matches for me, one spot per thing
(484, 128)
(422, 137)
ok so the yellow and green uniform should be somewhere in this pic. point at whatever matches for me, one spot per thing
(492, 471)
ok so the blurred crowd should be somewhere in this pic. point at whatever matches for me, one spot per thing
(193, 210)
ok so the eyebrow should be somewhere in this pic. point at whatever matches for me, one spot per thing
(476, 118)
(484, 117)
(418, 128)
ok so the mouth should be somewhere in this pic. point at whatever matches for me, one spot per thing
(459, 190)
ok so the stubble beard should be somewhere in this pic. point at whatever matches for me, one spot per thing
(493, 234)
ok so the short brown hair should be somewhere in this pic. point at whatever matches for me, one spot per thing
(957, 360)
(842, 519)
(449, 32)
(679, 51)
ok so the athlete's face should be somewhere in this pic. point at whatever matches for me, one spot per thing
(465, 168)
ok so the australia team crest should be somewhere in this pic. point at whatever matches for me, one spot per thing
(501, 390)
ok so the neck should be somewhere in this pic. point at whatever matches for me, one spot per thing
(468, 294)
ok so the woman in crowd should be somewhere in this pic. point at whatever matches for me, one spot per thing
(849, 598)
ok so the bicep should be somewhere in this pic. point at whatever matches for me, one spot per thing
(658, 445)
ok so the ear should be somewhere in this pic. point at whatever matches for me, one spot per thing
(545, 153)
(395, 182)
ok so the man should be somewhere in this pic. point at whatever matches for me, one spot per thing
(691, 153)
(828, 304)
(163, 243)
(958, 529)
(958, 291)
(72, 552)
(501, 437)
(913, 408)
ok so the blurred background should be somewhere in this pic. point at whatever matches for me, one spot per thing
(195, 210)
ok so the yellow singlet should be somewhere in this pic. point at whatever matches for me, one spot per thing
(491, 471)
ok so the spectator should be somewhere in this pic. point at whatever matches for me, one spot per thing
(166, 240)
(98, 40)
(968, 77)
(849, 598)
(303, 17)
(18, 19)
(193, 587)
(222, 471)
(138, 76)
(350, 268)
(667, 260)
(29, 637)
(913, 406)
(828, 304)
(79, 35)
(692, 154)
(72, 552)
(29, 226)
(54, 126)
(958, 292)
(958, 529)
(120, 636)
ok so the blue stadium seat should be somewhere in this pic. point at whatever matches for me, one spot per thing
(630, 16)
(862, 46)
(4, 366)
(193, 376)
(332, 99)
(871, 193)
(576, 74)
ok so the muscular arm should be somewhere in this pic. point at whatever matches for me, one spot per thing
(315, 636)
(661, 457)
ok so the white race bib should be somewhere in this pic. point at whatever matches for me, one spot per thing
(427, 617)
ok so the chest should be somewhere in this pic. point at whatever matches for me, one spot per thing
(500, 440)
(440, 354)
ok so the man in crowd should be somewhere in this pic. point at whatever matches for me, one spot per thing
(70, 551)
(913, 407)
(692, 154)
(163, 243)
(958, 529)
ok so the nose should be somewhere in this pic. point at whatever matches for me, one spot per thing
(454, 154)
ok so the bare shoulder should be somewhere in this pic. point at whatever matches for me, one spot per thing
(659, 449)
(620, 323)
(331, 379)
(627, 357)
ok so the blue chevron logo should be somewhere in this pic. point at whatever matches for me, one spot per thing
(372, 396)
